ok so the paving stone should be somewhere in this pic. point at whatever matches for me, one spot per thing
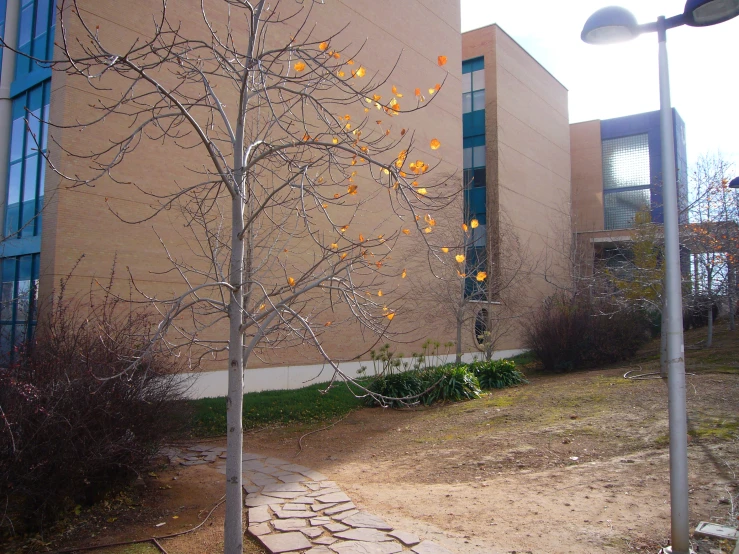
(195, 463)
(428, 547)
(249, 456)
(340, 508)
(342, 516)
(359, 547)
(288, 524)
(336, 527)
(311, 532)
(295, 468)
(329, 485)
(316, 476)
(285, 487)
(262, 479)
(363, 519)
(324, 492)
(275, 462)
(294, 507)
(222, 470)
(211, 458)
(252, 488)
(258, 500)
(319, 506)
(318, 550)
(285, 542)
(259, 514)
(199, 448)
(193, 458)
(274, 471)
(366, 535)
(292, 478)
(287, 515)
(335, 497)
(259, 529)
(253, 465)
(320, 521)
(222, 456)
(282, 494)
(324, 540)
(313, 486)
(302, 500)
(408, 539)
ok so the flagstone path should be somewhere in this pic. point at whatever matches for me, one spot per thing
(292, 508)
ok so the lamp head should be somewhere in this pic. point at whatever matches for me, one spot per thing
(611, 24)
(702, 13)
(734, 184)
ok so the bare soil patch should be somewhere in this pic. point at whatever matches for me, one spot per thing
(569, 463)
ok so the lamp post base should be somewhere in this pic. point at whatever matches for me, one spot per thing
(668, 550)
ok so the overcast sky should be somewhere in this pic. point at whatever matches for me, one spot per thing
(622, 79)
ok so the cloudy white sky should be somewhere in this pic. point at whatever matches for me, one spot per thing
(622, 79)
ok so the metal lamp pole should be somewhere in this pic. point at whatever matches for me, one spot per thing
(614, 24)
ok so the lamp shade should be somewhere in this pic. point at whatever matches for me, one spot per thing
(734, 183)
(701, 13)
(609, 25)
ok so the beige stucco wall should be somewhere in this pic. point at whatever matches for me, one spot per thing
(587, 176)
(528, 159)
(79, 224)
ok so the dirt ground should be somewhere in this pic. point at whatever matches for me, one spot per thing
(568, 463)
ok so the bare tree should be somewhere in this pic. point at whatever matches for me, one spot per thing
(290, 144)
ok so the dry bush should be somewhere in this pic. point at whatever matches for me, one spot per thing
(78, 419)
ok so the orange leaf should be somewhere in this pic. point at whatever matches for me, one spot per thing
(437, 87)
(441, 60)
(327, 324)
(350, 62)
(418, 92)
(344, 228)
(390, 316)
(352, 189)
(435, 144)
(337, 55)
(444, 249)
(291, 281)
(396, 93)
(403, 275)
(343, 255)
(334, 246)
(379, 293)
(464, 227)
(337, 196)
(299, 66)
(306, 137)
(406, 231)
(361, 237)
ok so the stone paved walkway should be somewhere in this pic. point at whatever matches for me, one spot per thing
(293, 508)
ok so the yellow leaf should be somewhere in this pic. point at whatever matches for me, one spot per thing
(441, 60)
(344, 228)
(340, 73)
(406, 231)
(432, 91)
(299, 66)
(403, 275)
(379, 293)
(459, 258)
(348, 126)
(430, 220)
(335, 140)
(422, 191)
(361, 72)
(334, 246)
(435, 144)
(386, 171)
(390, 316)
(291, 281)
(261, 307)
(322, 47)
(464, 227)
(376, 97)
(343, 255)
(445, 249)
(474, 224)
(481, 276)
(427, 230)
(352, 189)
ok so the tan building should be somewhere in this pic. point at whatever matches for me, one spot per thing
(517, 169)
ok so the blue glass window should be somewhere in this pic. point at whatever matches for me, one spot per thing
(18, 301)
(28, 142)
(3, 6)
(35, 34)
(626, 180)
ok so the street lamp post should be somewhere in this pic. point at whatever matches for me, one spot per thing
(615, 24)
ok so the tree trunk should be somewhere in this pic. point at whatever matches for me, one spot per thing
(460, 324)
(730, 295)
(233, 526)
(709, 338)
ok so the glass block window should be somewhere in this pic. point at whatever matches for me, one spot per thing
(18, 301)
(35, 34)
(28, 141)
(626, 162)
(626, 180)
(621, 207)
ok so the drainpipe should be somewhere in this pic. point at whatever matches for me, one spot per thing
(12, 12)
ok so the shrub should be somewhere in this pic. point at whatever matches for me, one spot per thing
(77, 420)
(497, 374)
(569, 333)
(398, 385)
(451, 383)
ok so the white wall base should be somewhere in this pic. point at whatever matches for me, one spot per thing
(211, 384)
